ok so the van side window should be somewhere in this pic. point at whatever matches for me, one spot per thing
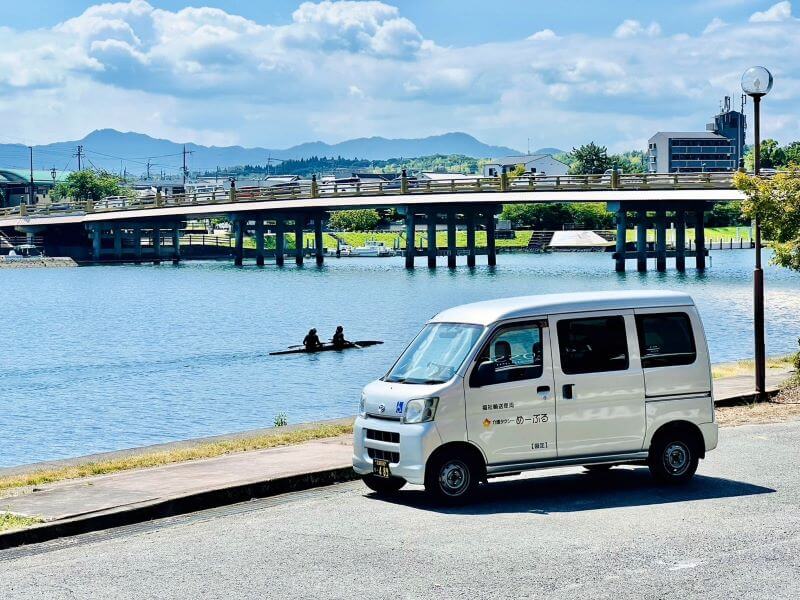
(592, 345)
(516, 352)
(665, 339)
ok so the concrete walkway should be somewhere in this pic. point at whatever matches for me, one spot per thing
(77, 506)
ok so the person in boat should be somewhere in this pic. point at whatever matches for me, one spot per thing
(338, 338)
(311, 341)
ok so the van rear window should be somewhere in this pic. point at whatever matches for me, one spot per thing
(592, 345)
(665, 340)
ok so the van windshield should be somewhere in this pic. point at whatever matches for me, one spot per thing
(435, 354)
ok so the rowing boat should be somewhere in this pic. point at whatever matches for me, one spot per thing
(328, 348)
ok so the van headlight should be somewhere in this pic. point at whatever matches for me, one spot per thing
(362, 406)
(420, 410)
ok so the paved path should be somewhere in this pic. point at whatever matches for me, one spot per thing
(734, 532)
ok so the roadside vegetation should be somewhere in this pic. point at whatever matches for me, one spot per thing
(166, 457)
(747, 367)
(90, 185)
(9, 521)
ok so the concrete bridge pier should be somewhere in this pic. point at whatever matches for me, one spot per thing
(280, 240)
(661, 241)
(410, 233)
(156, 245)
(641, 241)
(452, 250)
(118, 241)
(491, 250)
(137, 244)
(318, 245)
(680, 240)
(299, 223)
(700, 240)
(176, 244)
(432, 217)
(97, 240)
(622, 227)
(238, 241)
(259, 231)
(470, 219)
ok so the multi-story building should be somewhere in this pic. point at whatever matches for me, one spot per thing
(719, 148)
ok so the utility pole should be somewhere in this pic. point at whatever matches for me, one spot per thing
(53, 175)
(148, 169)
(79, 154)
(185, 170)
(32, 195)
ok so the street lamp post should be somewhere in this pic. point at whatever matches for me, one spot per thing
(757, 82)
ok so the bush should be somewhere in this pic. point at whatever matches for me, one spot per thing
(552, 217)
(280, 420)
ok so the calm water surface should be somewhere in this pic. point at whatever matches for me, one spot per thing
(104, 358)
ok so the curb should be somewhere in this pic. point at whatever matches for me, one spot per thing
(168, 507)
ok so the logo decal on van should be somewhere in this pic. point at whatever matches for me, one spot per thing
(382, 408)
(487, 423)
(399, 408)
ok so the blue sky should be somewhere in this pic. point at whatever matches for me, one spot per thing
(276, 73)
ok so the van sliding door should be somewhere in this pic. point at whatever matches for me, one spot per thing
(599, 384)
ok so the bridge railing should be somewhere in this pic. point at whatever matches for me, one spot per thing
(398, 186)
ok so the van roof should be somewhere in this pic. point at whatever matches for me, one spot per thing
(491, 311)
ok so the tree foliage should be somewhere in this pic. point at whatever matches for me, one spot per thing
(589, 159)
(773, 155)
(90, 185)
(354, 220)
(551, 217)
(776, 203)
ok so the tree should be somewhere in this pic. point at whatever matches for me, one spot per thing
(589, 159)
(772, 155)
(354, 220)
(776, 203)
(551, 217)
(792, 152)
(90, 185)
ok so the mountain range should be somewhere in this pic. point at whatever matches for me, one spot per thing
(115, 150)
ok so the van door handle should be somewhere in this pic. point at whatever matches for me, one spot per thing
(543, 390)
(567, 391)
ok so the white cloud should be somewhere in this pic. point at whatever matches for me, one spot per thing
(544, 34)
(338, 70)
(632, 28)
(715, 24)
(782, 11)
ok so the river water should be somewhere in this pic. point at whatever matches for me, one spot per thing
(110, 357)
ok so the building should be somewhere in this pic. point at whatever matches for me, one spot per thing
(15, 185)
(719, 148)
(540, 164)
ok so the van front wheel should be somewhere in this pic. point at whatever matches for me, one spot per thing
(383, 486)
(673, 458)
(451, 478)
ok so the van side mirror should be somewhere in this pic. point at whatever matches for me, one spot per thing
(485, 373)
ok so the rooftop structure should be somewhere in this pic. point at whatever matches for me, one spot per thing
(719, 148)
(539, 164)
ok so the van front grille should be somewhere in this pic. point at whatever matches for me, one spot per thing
(392, 457)
(383, 436)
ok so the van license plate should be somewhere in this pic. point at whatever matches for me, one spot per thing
(380, 467)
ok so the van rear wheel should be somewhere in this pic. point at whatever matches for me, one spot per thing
(384, 486)
(451, 477)
(673, 457)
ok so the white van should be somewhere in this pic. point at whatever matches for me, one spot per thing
(499, 387)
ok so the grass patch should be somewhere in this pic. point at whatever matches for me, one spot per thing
(166, 457)
(747, 367)
(9, 521)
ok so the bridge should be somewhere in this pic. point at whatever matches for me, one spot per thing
(114, 228)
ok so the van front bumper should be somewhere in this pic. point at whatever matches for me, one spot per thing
(406, 446)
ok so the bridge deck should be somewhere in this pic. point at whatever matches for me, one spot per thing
(313, 197)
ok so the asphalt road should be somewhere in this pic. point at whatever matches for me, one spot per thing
(734, 532)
